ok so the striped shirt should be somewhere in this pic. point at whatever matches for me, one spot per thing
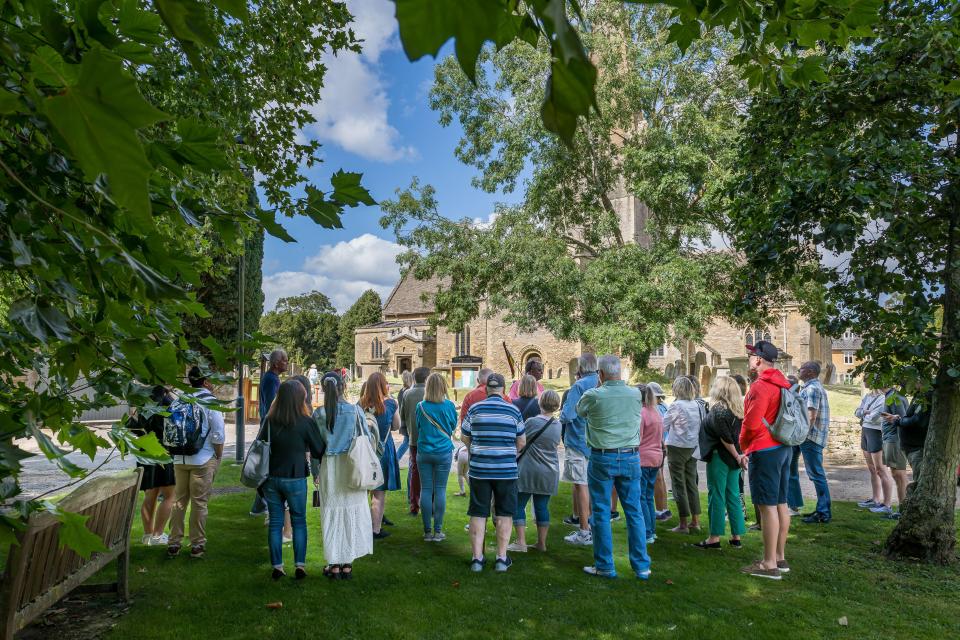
(493, 427)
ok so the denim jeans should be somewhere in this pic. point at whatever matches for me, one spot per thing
(403, 447)
(620, 470)
(794, 495)
(434, 473)
(813, 461)
(293, 492)
(541, 508)
(648, 480)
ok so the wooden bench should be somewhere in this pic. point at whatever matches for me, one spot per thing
(40, 572)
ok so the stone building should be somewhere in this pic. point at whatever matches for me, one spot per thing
(844, 356)
(404, 341)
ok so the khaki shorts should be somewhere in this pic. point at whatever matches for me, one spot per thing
(893, 456)
(574, 467)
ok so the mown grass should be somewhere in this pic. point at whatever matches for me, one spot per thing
(413, 589)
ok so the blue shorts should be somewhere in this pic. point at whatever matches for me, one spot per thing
(769, 476)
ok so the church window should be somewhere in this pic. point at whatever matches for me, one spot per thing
(754, 336)
(462, 342)
(659, 352)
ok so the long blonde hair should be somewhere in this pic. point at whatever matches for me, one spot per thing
(436, 390)
(727, 392)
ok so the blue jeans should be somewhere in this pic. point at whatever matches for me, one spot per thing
(293, 492)
(403, 447)
(541, 508)
(794, 495)
(434, 472)
(604, 472)
(648, 480)
(813, 461)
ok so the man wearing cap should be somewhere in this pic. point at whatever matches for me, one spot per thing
(769, 460)
(612, 411)
(818, 409)
(493, 431)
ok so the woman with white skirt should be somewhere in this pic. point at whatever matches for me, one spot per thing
(344, 512)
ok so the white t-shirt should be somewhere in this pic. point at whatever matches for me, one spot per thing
(214, 432)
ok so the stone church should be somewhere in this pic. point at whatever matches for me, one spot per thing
(404, 341)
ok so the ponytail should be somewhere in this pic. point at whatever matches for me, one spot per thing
(332, 389)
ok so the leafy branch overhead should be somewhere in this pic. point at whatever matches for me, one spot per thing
(130, 135)
(774, 37)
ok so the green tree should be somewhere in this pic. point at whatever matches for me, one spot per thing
(120, 125)
(306, 327)
(368, 309)
(846, 191)
(563, 259)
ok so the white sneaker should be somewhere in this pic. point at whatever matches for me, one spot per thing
(517, 547)
(439, 536)
(287, 540)
(161, 539)
(580, 538)
(881, 509)
(794, 513)
(145, 540)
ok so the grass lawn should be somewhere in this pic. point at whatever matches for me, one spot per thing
(413, 589)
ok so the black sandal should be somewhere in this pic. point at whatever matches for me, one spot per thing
(329, 572)
(346, 572)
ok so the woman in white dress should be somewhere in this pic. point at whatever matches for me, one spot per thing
(344, 512)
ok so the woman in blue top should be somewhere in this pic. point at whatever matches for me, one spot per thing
(376, 398)
(436, 421)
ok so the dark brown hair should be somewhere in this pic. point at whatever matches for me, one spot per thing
(289, 404)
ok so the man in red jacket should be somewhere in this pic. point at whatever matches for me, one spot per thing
(769, 460)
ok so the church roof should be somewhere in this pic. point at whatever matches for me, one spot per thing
(406, 299)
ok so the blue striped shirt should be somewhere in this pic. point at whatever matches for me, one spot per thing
(493, 426)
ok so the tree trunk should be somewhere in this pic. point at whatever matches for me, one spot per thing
(927, 528)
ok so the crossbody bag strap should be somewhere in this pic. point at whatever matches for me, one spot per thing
(534, 438)
(432, 421)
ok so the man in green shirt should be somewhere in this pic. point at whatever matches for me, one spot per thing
(612, 412)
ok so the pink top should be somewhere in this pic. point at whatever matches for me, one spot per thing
(651, 437)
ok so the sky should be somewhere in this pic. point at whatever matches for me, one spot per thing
(373, 118)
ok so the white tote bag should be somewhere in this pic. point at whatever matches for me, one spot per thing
(362, 461)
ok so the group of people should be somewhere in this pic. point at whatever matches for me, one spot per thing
(617, 440)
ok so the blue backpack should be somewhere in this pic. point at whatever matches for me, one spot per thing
(792, 424)
(184, 430)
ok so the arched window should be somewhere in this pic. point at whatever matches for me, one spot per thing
(376, 348)
(753, 336)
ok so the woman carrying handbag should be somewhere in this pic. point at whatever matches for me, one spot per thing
(344, 513)
(291, 434)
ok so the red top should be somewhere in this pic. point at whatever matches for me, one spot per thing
(651, 437)
(478, 393)
(761, 403)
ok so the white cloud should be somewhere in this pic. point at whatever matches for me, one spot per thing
(341, 271)
(352, 112)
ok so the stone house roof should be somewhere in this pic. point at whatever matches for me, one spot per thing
(406, 299)
(852, 343)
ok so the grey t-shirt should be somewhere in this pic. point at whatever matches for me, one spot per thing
(540, 466)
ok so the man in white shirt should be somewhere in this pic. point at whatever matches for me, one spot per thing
(194, 473)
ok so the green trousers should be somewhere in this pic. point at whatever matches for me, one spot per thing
(723, 495)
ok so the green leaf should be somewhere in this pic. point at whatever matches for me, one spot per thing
(142, 26)
(49, 67)
(348, 191)
(952, 87)
(684, 33)
(23, 312)
(55, 320)
(236, 8)
(863, 12)
(163, 362)
(10, 103)
(809, 70)
(98, 117)
(220, 355)
(89, 11)
(200, 145)
(188, 20)
(322, 211)
(148, 449)
(271, 226)
(85, 440)
(74, 534)
(54, 453)
(811, 31)
(568, 95)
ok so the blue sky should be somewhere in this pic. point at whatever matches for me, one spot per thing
(374, 118)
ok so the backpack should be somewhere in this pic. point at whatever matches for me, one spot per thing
(184, 430)
(792, 424)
